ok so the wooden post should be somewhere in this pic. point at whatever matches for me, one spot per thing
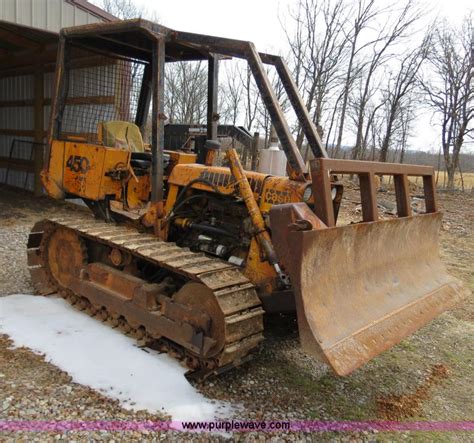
(38, 129)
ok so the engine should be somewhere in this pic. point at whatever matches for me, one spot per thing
(206, 214)
(214, 224)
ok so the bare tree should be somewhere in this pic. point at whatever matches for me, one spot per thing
(391, 32)
(263, 117)
(316, 48)
(251, 97)
(449, 88)
(126, 9)
(365, 104)
(401, 84)
(186, 82)
(365, 13)
(186, 92)
(406, 118)
(232, 95)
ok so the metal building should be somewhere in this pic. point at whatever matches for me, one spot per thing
(28, 43)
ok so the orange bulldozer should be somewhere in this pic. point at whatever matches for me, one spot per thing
(187, 251)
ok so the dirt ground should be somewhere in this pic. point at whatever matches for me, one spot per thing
(426, 377)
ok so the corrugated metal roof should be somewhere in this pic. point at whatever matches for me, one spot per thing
(51, 15)
(93, 9)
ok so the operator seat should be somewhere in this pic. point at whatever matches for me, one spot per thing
(121, 134)
(127, 135)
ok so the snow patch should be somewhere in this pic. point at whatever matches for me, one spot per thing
(98, 356)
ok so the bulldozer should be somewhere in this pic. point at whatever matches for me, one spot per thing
(188, 256)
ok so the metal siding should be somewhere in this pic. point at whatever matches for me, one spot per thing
(16, 88)
(24, 12)
(67, 12)
(51, 15)
(92, 19)
(21, 118)
(48, 84)
(16, 178)
(8, 10)
(46, 115)
(39, 14)
(80, 17)
(22, 150)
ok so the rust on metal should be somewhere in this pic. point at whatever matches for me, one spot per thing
(214, 322)
(246, 193)
(323, 168)
(357, 290)
(362, 288)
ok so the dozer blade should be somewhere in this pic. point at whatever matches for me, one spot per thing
(362, 288)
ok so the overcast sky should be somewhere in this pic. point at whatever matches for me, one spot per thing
(259, 22)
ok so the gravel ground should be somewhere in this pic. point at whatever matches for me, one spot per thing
(281, 383)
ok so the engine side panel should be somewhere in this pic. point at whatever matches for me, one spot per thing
(268, 190)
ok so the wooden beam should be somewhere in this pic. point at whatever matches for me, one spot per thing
(20, 59)
(98, 100)
(18, 164)
(16, 103)
(18, 40)
(25, 63)
(19, 132)
(95, 100)
(25, 70)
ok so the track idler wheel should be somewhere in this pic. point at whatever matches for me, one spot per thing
(202, 300)
(65, 255)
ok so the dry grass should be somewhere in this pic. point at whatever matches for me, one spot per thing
(467, 177)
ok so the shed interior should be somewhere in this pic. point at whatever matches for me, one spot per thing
(27, 61)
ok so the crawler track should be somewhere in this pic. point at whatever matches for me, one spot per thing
(237, 301)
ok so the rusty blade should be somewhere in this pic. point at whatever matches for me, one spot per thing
(362, 288)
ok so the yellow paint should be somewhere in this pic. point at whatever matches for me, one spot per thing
(267, 190)
(52, 176)
(259, 271)
(84, 170)
(85, 167)
(138, 192)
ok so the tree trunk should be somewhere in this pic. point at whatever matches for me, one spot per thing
(358, 145)
(384, 150)
(451, 171)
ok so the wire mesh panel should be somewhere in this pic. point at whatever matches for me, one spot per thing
(98, 89)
